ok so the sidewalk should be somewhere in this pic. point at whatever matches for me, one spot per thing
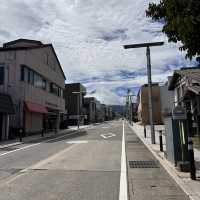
(37, 137)
(190, 187)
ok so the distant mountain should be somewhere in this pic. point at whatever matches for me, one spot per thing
(117, 108)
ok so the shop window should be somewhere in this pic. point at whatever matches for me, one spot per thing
(2, 74)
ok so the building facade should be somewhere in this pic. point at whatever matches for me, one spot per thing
(143, 104)
(34, 78)
(74, 102)
(186, 86)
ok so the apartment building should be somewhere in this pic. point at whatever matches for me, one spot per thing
(74, 102)
(143, 104)
(34, 79)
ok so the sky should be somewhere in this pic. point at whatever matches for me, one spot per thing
(88, 36)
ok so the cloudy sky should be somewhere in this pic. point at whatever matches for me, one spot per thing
(88, 36)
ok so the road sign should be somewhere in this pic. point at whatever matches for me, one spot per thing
(179, 113)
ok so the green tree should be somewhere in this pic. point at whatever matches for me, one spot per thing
(181, 20)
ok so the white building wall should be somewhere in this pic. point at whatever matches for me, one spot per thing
(167, 98)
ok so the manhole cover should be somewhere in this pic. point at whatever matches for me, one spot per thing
(143, 164)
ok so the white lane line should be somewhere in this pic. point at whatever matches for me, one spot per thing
(36, 144)
(123, 194)
(77, 142)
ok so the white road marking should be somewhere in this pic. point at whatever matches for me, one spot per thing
(77, 142)
(36, 144)
(108, 135)
(105, 127)
(123, 193)
(40, 164)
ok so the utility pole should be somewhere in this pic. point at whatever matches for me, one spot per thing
(147, 46)
(129, 109)
(78, 107)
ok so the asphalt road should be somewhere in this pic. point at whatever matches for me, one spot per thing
(88, 165)
(84, 166)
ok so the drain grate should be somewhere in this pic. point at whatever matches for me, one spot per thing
(143, 164)
(133, 141)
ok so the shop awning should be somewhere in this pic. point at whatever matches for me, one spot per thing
(33, 107)
(6, 104)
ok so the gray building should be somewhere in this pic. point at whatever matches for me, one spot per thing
(33, 77)
(91, 109)
(74, 102)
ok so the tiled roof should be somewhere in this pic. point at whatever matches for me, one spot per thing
(192, 74)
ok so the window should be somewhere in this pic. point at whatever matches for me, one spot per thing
(44, 84)
(54, 89)
(31, 77)
(2, 75)
(38, 81)
(24, 74)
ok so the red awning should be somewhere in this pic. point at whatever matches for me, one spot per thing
(32, 107)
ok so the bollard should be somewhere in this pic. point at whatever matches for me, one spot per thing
(42, 132)
(161, 141)
(145, 132)
(20, 134)
(191, 159)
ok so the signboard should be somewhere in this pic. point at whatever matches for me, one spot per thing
(179, 113)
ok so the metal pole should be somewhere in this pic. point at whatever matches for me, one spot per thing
(191, 159)
(150, 95)
(78, 110)
(161, 140)
(145, 131)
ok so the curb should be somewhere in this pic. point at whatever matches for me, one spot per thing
(169, 169)
(44, 138)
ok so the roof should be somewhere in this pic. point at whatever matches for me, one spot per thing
(6, 104)
(195, 89)
(191, 73)
(41, 45)
(5, 45)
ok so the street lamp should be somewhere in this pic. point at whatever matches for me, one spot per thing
(148, 45)
(78, 106)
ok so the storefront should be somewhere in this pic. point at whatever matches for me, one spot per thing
(6, 109)
(34, 116)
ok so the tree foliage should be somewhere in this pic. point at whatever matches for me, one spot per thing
(181, 23)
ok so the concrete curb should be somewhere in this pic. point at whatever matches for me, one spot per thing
(169, 169)
(39, 138)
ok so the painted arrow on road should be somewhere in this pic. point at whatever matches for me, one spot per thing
(108, 135)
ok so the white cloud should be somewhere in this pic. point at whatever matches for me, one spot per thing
(88, 36)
